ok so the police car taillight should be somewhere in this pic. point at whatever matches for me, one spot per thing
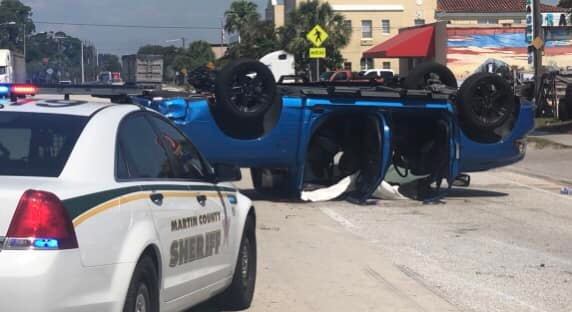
(40, 222)
(23, 89)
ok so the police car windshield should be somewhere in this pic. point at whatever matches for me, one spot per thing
(37, 144)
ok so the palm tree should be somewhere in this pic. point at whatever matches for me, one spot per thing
(302, 20)
(241, 16)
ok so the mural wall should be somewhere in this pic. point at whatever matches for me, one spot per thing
(470, 47)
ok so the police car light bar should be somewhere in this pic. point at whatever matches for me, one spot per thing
(23, 89)
(17, 90)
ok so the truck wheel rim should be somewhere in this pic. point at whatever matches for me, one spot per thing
(488, 103)
(248, 93)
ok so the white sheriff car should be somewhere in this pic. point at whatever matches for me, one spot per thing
(111, 208)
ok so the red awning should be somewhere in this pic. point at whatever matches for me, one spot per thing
(416, 42)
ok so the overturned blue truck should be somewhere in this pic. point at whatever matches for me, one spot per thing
(304, 135)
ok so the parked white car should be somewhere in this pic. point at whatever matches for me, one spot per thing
(111, 208)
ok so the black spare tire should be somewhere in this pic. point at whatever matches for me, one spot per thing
(428, 73)
(245, 89)
(485, 102)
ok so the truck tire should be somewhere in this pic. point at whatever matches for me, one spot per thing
(421, 76)
(245, 89)
(485, 102)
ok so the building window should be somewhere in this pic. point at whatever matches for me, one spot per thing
(488, 21)
(419, 22)
(386, 65)
(366, 29)
(366, 63)
(348, 24)
(347, 65)
(385, 26)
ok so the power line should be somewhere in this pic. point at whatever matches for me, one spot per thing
(131, 26)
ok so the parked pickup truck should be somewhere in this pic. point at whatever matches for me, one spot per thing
(299, 136)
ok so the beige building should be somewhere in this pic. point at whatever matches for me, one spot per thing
(372, 21)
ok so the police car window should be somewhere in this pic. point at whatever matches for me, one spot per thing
(2, 70)
(144, 155)
(121, 165)
(187, 161)
(37, 144)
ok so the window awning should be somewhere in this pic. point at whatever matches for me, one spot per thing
(415, 42)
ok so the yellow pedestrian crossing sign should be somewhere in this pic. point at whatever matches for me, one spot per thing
(317, 36)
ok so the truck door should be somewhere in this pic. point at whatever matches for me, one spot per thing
(374, 159)
(341, 141)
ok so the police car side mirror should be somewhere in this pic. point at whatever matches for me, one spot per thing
(227, 173)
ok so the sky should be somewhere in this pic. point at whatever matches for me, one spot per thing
(202, 13)
(120, 41)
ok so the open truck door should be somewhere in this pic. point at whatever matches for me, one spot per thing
(347, 152)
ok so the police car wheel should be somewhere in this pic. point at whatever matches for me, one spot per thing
(241, 291)
(142, 295)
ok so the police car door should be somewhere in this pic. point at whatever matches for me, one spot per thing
(193, 233)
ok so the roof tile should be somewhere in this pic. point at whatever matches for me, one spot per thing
(488, 6)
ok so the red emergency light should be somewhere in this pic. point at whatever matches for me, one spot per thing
(23, 89)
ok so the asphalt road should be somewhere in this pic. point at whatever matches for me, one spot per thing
(504, 244)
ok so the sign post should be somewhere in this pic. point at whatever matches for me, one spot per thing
(536, 43)
(317, 36)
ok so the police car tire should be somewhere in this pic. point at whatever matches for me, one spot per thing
(238, 296)
(469, 103)
(227, 81)
(144, 283)
(419, 76)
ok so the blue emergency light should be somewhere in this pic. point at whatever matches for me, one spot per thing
(4, 89)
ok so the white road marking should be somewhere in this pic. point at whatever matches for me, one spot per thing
(554, 194)
(339, 218)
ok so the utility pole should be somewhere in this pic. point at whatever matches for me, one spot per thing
(538, 33)
(25, 37)
(183, 40)
(82, 65)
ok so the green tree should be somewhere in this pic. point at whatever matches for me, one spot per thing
(109, 62)
(240, 17)
(260, 39)
(12, 36)
(256, 37)
(565, 3)
(301, 20)
(200, 53)
(60, 52)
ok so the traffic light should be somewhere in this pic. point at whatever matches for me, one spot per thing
(530, 21)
